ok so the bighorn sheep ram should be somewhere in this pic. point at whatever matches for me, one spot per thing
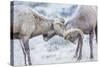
(27, 23)
(83, 21)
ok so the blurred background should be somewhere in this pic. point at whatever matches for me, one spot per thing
(50, 10)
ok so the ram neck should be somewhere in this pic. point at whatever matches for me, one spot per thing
(47, 25)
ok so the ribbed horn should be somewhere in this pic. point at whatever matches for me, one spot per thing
(67, 32)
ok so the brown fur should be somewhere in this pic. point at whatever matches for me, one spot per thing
(84, 19)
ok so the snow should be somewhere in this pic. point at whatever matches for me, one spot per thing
(56, 50)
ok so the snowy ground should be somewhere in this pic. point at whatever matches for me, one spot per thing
(56, 50)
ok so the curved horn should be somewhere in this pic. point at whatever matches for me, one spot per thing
(73, 30)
